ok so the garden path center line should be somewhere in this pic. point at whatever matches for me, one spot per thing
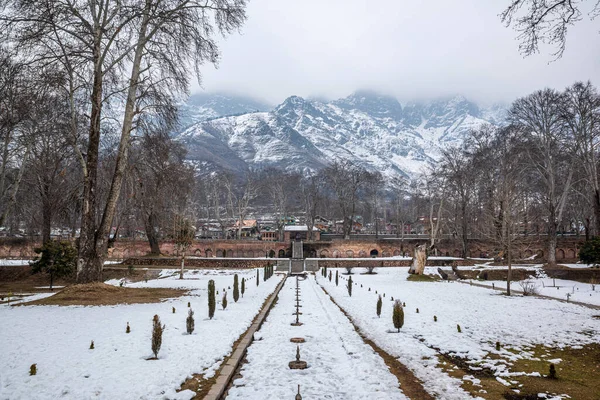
(340, 364)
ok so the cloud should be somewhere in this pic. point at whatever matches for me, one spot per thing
(410, 49)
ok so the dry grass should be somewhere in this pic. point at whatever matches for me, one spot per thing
(578, 375)
(198, 384)
(101, 294)
(423, 278)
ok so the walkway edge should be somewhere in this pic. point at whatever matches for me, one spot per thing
(411, 386)
(229, 368)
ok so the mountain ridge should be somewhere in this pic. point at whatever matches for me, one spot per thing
(373, 130)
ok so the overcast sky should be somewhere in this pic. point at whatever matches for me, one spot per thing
(410, 49)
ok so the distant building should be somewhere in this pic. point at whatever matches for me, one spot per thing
(299, 232)
(249, 229)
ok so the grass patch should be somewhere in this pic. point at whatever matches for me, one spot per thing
(423, 278)
(101, 294)
(578, 374)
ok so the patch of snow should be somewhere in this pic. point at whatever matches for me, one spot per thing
(57, 339)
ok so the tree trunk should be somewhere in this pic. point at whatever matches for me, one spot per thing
(347, 227)
(89, 261)
(509, 273)
(552, 228)
(46, 218)
(597, 210)
(151, 234)
(182, 264)
(464, 230)
(94, 243)
(419, 260)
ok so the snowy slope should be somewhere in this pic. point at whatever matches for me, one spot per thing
(372, 130)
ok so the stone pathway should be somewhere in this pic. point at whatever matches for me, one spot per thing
(340, 364)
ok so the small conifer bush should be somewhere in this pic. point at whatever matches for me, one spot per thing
(379, 304)
(33, 369)
(329, 276)
(552, 372)
(127, 329)
(398, 315)
(92, 345)
(350, 287)
(236, 290)
(417, 310)
(243, 288)
(336, 278)
(458, 328)
(403, 304)
(189, 322)
(173, 310)
(434, 318)
(384, 295)
(157, 331)
(211, 299)
(224, 301)
(189, 305)
(369, 289)
(257, 277)
(498, 346)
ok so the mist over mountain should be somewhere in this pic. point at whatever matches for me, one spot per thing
(373, 130)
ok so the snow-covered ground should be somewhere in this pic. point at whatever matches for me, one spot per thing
(5, 262)
(340, 364)
(578, 265)
(485, 317)
(57, 339)
(558, 288)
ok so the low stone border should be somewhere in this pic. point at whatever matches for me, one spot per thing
(228, 369)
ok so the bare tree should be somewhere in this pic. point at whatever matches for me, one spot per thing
(433, 188)
(457, 168)
(549, 153)
(311, 188)
(51, 176)
(183, 235)
(345, 180)
(582, 116)
(372, 194)
(163, 183)
(545, 21)
(16, 97)
(279, 185)
(241, 192)
(154, 40)
(503, 176)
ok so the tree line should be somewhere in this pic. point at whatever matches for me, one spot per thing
(117, 69)
(88, 99)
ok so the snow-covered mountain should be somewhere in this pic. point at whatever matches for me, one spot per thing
(201, 107)
(373, 130)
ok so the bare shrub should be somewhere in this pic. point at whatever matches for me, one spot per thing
(349, 270)
(370, 270)
(529, 287)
